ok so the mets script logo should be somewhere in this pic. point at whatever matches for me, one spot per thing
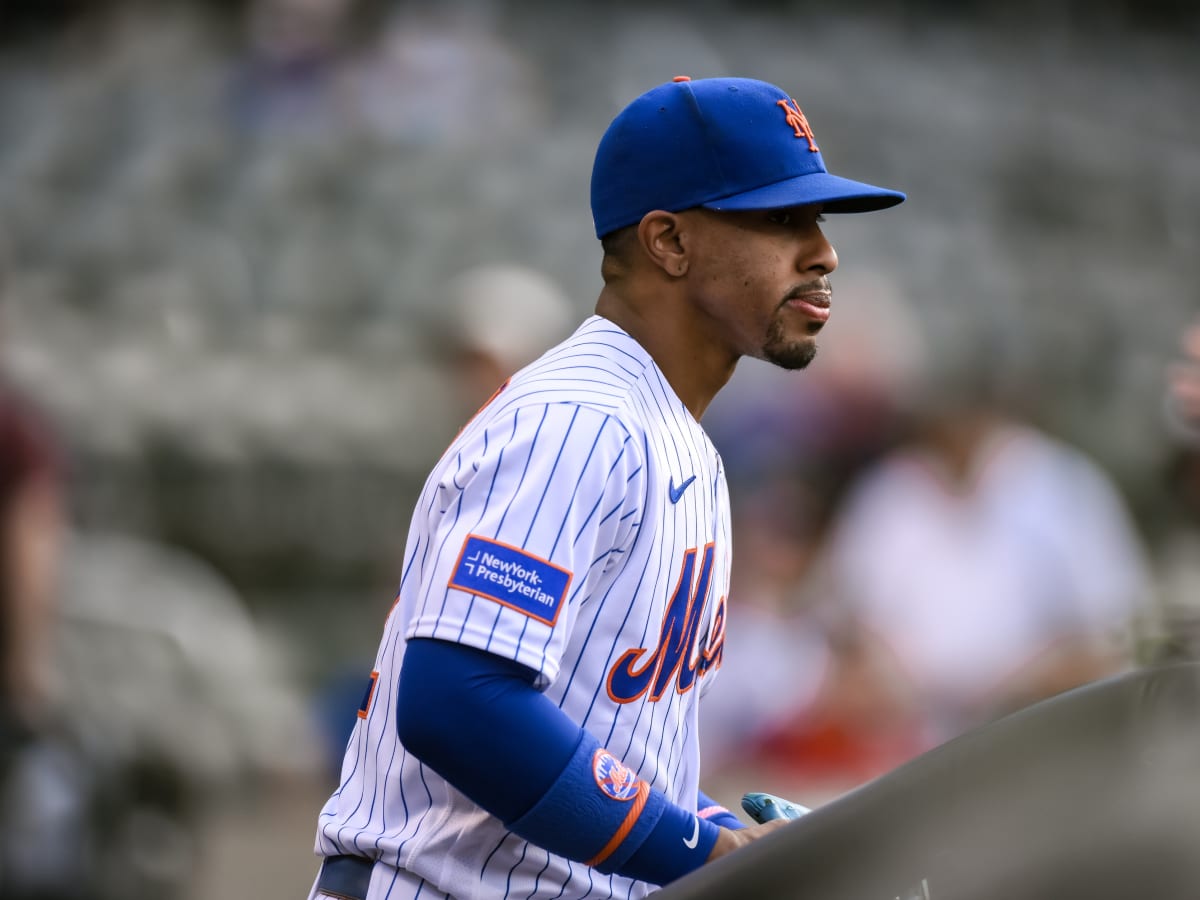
(614, 778)
(680, 656)
(798, 122)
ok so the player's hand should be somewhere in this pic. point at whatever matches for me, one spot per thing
(763, 807)
(768, 810)
(729, 840)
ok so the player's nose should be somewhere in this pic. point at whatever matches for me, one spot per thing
(817, 254)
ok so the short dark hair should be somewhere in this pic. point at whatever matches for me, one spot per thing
(617, 242)
(616, 246)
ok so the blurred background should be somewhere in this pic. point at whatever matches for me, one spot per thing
(259, 259)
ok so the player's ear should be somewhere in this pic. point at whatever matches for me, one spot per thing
(659, 233)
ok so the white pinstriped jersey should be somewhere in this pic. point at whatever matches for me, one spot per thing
(579, 524)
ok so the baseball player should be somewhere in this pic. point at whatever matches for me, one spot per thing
(529, 728)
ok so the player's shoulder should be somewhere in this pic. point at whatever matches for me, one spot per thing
(599, 367)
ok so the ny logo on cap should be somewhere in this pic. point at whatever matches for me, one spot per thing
(798, 123)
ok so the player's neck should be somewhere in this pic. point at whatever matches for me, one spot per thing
(693, 371)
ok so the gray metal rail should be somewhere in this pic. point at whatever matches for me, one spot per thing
(1091, 795)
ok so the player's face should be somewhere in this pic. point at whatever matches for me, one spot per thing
(761, 280)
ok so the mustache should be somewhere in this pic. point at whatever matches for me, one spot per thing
(820, 285)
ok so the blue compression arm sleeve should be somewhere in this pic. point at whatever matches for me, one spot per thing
(454, 702)
(561, 790)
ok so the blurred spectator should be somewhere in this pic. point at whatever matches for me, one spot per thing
(776, 649)
(85, 813)
(795, 682)
(293, 80)
(1184, 385)
(43, 791)
(990, 564)
(971, 563)
(31, 529)
(496, 319)
(1178, 562)
(133, 688)
(443, 76)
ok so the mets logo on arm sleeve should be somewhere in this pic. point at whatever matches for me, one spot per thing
(512, 577)
(613, 777)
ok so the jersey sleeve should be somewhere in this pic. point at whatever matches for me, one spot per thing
(524, 517)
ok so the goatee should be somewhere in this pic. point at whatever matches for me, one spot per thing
(786, 354)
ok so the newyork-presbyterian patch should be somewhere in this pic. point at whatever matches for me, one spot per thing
(512, 577)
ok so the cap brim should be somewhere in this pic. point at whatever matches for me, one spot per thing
(834, 193)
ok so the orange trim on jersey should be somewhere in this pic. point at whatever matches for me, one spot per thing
(715, 646)
(365, 709)
(632, 655)
(639, 803)
(475, 415)
(709, 811)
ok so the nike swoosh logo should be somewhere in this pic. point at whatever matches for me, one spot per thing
(691, 845)
(676, 492)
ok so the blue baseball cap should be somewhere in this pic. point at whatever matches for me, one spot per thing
(720, 143)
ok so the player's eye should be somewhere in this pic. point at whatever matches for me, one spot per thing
(787, 217)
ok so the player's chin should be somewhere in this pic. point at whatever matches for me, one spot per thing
(790, 354)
